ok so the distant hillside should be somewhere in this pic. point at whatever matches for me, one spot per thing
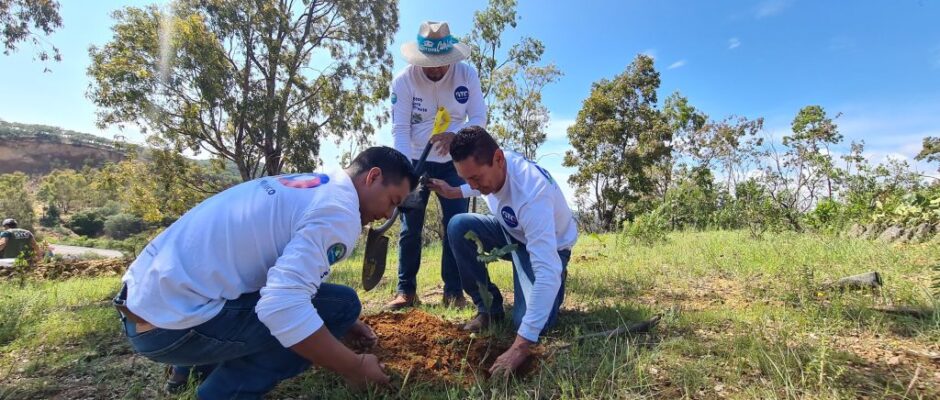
(38, 149)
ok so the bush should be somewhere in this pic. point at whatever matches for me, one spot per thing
(86, 223)
(828, 215)
(50, 218)
(648, 229)
(122, 226)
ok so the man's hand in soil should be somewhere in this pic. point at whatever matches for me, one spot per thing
(511, 359)
(442, 142)
(443, 189)
(369, 373)
(361, 336)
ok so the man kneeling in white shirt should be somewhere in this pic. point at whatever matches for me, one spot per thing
(238, 281)
(529, 210)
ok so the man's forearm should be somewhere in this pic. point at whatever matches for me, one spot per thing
(522, 342)
(322, 349)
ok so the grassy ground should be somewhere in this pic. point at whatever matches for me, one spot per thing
(742, 318)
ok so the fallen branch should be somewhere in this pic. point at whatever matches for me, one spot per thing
(927, 356)
(631, 329)
(904, 311)
(868, 280)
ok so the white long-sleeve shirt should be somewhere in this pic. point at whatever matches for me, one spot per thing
(415, 100)
(279, 235)
(532, 208)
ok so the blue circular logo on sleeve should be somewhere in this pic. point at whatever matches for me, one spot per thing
(509, 216)
(335, 253)
(462, 94)
(394, 98)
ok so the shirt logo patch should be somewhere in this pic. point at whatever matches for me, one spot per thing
(394, 98)
(462, 94)
(336, 253)
(303, 181)
(509, 216)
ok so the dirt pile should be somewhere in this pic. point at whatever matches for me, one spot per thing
(423, 348)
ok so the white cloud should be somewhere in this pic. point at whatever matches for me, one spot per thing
(651, 53)
(733, 43)
(677, 64)
(770, 8)
(558, 129)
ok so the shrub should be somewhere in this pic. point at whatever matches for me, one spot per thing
(86, 223)
(648, 229)
(122, 226)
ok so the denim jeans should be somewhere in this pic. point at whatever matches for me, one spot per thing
(412, 223)
(472, 271)
(249, 360)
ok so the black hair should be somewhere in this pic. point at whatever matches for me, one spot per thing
(473, 141)
(394, 165)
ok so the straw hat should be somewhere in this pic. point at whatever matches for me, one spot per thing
(435, 47)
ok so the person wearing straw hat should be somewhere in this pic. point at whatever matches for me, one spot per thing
(435, 78)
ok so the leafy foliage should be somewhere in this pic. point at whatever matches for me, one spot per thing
(619, 135)
(233, 78)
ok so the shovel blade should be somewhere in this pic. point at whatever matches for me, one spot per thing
(373, 263)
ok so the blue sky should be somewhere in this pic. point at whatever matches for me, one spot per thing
(876, 62)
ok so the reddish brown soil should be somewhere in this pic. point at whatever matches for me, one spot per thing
(425, 348)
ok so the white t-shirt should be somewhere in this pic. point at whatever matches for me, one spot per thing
(415, 100)
(279, 235)
(532, 208)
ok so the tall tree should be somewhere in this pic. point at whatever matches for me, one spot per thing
(259, 83)
(813, 134)
(804, 171)
(618, 136)
(510, 78)
(523, 118)
(15, 200)
(66, 189)
(22, 20)
(685, 121)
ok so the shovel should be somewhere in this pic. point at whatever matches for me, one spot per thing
(373, 263)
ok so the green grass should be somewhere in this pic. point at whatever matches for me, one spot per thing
(742, 318)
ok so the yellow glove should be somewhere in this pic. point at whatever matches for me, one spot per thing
(441, 121)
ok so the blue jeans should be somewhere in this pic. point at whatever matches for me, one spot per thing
(412, 223)
(472, 271)
(249, 361)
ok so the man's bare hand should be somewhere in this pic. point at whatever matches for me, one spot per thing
(511, 359)
(361, 336)
(444, 190)
(370, 372)
(442, 142)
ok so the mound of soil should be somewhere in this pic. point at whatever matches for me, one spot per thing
(425, 348)
(71, 269)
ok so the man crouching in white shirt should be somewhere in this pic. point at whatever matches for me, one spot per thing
(529, 210)
(230, 283)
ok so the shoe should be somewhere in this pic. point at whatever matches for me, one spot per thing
(458, 301)
(481, 321)
(402, 301)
